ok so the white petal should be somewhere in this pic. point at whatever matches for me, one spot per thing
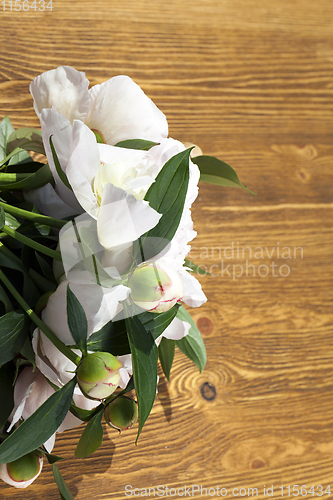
(56, 125)
(48, 202)
(176, 330)
(193, 294)
(126, 371)
(120, 110)
(123, 218)
(83, 165)
(49, 444)
(64, 88)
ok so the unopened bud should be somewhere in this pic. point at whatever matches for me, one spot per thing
(121, 413)
(155, 287)
(98, 375)
(22, 471)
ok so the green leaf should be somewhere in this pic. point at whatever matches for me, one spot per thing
(218, 172)
(2, 217)
(29, 139)
(192, 345)
(45, 267)
(5, 300)
(11, 221)
(141, 144)
(195, 269)
(33, 181)
(156, 323)
(77, 321)
(43, 229)
(111, 338)
(27, 352)
(167, 196)
(7, 392)
(20, 156)
(13, 333)
(40, 426)
(91, 438)
(6, 129)
(144, 359)
(60, 172)
(8, 259)
(166, 353)
(52, 459)
(62, 486)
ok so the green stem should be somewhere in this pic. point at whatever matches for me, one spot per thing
(8, 178)
(25, 214)
(38, 322)
(31, 243)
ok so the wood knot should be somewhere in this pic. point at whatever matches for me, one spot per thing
(208, 391)
(257, 464)
(205, 325)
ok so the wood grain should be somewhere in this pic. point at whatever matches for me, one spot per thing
(250, 82)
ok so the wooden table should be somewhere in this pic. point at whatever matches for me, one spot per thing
(251, 82)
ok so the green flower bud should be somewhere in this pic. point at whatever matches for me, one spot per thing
(98, 375)
(155, 287)
(121, 413)
(23, 471)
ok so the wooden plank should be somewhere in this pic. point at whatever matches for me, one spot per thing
(251, 83)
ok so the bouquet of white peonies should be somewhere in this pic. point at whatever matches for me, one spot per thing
(93, 265)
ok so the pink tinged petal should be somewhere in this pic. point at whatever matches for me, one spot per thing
(48, 202)
(83, 164)
(30, 392)
(42, 362)
(176, 330)
(57, 361)
(65, 89)
(56, 125)
(122, 218)
(120, 110)
(193, 294)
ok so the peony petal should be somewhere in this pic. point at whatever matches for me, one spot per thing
(48, 202)
(123, 218)
(56, 125)
(83, 164)
(193, 294)
(120, 110)
(126, 371)
(65, 89)
(176, 330)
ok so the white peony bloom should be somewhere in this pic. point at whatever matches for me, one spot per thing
(115, 110)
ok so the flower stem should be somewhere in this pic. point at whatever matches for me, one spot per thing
(8, 178)
(31, 243)
(25, 214)
(64, 349)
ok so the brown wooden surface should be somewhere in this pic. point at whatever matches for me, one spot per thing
(251, 82)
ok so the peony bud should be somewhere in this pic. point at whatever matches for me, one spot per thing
(98, 375)
(23, 471)
(121, 413)
(155, 288)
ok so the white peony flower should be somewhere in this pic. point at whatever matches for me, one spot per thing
(115, 110)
